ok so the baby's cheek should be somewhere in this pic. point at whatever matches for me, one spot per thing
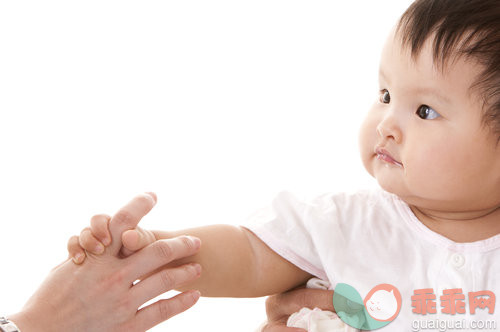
(430, 172)
(368, 140)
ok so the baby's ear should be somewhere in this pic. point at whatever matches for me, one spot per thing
(136, 239)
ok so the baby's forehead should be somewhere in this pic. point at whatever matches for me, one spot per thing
(455, 37)
(428, 57)
(443, 59)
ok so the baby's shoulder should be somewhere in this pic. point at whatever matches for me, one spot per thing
(363, 199)
(361, 208)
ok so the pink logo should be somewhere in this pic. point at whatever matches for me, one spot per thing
(383, 302)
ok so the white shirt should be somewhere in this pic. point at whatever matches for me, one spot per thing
(372, 237)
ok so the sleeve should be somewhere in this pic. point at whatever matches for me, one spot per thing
(283, 227)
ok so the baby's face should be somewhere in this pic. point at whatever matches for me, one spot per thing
(429, 122)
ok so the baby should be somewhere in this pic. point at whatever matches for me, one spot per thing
(432, 229)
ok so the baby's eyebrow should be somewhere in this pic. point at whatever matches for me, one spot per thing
(382, 75)
(432, 92)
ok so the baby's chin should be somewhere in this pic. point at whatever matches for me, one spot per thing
(389, 187)
(389, 182)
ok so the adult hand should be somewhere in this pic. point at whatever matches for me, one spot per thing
(279, 307)
(103, 294)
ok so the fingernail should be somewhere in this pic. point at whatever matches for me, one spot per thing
(78, 258)
(153, 196)
(196, 295)
(99, 248)
(197, 268)
(106, 241)
(195, 241)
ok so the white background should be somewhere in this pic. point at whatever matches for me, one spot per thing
(214, 105)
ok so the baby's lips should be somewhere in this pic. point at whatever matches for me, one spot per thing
(386, 156)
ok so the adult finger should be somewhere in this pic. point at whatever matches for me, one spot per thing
(75, 252)
(128, 217)
(136, 239)
(280, 327)
(160, 253)
(285, 304)
(163, 281)
(162, 310)
(99, 226)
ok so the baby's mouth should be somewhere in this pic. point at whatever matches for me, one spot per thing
(386, 156)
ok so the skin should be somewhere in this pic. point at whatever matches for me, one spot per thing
(278, 307)
(99, 295)
(450, 174)
(244, 259)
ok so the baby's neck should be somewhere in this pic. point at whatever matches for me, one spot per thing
(461, 226)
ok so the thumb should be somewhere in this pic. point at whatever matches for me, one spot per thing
(136, 239)
(128, 217)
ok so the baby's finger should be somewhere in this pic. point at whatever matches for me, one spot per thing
(75, 251)
(90, 243)
(136, 239)
(99, 226)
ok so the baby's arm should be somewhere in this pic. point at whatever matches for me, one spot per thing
(235, 263)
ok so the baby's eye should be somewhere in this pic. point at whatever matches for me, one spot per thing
(427, 113)
(385, 97)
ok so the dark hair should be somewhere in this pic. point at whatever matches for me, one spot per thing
(463, 28)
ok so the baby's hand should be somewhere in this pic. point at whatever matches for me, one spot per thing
(96, 238)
